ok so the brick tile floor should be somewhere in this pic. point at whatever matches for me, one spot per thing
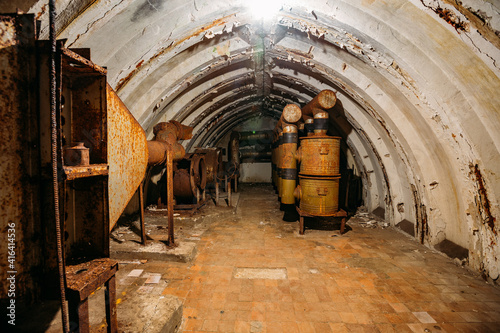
(367, 280)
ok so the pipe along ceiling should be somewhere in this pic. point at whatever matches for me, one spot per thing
(417, 84)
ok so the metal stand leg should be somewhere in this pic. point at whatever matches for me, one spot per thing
(301, 225)
(111, 305)
(170, 198)
(217, 193)
(229, 192)
(141, 208)
(342, 226)
(83, 316)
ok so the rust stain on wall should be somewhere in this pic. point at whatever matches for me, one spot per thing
(484, 203)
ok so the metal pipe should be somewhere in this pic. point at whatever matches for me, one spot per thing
(170, 198)
(166, 137)
(289, 164)
(256, 154)
(309, 126)
(290, 115)
(234, 149)
(325, 100)
(255, 136)
(321, 123)
(55, 171)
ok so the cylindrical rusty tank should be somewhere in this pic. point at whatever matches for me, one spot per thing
(279, 152)
(288, 164)
(319, 155)
(273, 162)
(189, 175)
(213, 162)
(321, 123)
(309, 127)
(319, 196)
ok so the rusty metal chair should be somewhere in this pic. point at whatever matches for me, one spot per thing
(82, 280)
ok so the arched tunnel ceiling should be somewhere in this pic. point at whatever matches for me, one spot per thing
(417, 83)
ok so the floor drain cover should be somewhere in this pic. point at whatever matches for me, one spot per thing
(260, 273)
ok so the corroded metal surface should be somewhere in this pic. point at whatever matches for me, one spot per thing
(189, 175)
(288, 164)
(19, 161)
(166, 136)
(325, 100)
(213, 162)
(157, 152)
(74, 172)
(234, 148)
(321, 123)
(77, 155)
(83, 280)
(290, 115)
(318, 195)
(319, 155)
(86, 277)
(127, 155)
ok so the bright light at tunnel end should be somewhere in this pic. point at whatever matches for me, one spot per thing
(264, 9)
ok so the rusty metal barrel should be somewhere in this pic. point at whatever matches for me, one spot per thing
(288, 164)
(279, 153)
(319, 155)
(274, 146)
(319, 196)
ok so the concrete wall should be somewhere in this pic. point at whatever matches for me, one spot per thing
(255, 173)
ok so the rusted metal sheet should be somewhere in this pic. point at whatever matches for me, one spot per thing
(74, 172)
(127, 155)
(318, 195)
(73, 62)
(319, 155)
(19, 158)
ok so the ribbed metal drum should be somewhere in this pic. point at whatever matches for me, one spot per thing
(318, 195)
(319, 155)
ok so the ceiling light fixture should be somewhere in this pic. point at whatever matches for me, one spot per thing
(264, 9)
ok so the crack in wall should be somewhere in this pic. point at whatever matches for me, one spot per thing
(480, 51)
(91, 24)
